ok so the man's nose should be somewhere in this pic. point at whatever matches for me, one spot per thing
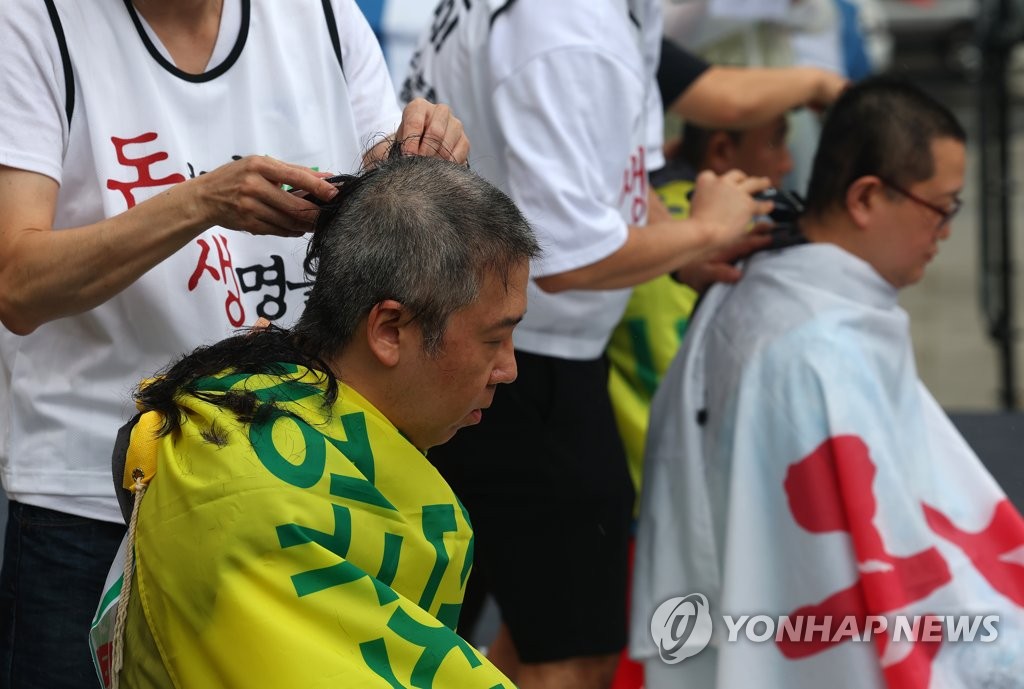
(505, 370)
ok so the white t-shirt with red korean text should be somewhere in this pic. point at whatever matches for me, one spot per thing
(94, 101)
(557, 99)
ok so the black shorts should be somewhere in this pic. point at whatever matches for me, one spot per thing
(545, 482)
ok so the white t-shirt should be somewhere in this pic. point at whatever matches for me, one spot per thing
(555, 97)
(137, 125)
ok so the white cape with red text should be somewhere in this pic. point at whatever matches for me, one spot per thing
(797, 468)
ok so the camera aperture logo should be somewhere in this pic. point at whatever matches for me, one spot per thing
(681, 627)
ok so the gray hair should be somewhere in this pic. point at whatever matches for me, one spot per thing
(421, 231)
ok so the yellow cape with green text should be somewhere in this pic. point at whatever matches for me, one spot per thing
(311, 547)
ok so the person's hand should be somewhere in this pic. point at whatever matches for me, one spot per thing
(247, 195)
(431, 130)
(828, 87)
(724, 203)
(717, 265)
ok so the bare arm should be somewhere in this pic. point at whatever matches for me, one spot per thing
(722, 210)
(45, 275)
(739, 97)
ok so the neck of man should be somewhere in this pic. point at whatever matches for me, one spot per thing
(180, 12)
(187, 28)
(837, 228)
(358, 369)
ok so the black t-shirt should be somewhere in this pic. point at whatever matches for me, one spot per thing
(677, 70)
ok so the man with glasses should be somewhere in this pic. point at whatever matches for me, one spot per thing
(797, 468)
(945, 214)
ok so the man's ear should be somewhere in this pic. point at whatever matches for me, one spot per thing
(384, 329)
(720, 153)
(862, 198)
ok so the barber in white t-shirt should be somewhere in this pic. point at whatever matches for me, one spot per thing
(560, 103)
(143, 149)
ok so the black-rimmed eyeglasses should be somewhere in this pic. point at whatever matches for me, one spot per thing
(945, 214)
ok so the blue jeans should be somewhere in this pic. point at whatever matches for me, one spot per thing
(53, 572)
